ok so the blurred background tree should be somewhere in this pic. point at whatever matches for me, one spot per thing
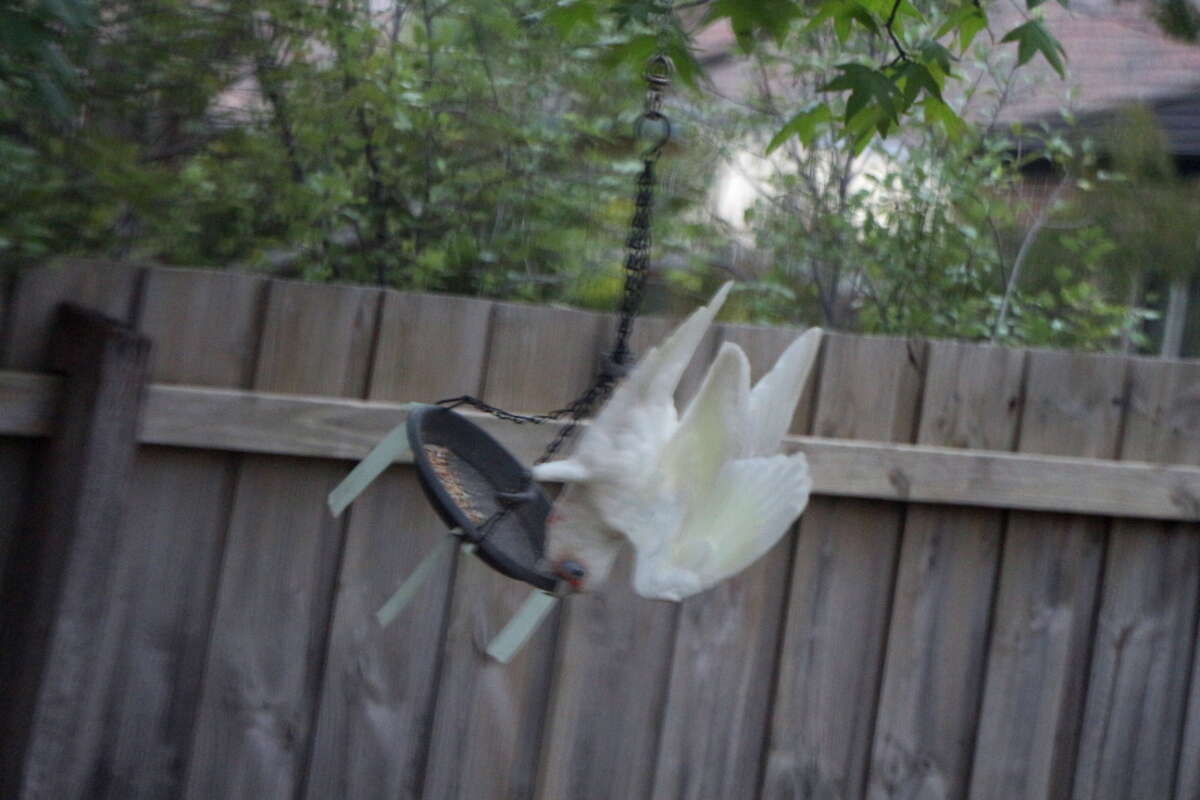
(937, 231)
(484, 147)
(454, 146)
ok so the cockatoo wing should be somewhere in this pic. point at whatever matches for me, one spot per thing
(623, 440)
(714, 427)
(727, 498)
(656, 376)
(650, 509)
(745, 512)
(774, 398)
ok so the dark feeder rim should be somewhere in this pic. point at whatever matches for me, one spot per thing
(430, 424)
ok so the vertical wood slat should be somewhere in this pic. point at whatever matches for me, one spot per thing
(1037, 662)
(263, 670)
(1142, 649)
(841, 583)
(13, 475)
(106, 287)
(380, 684)
(944, 589)
(59, 646)
(1187, 784)
(725, 648)
(602, 744)
(489, 717)
(34, 295)
(204, 326)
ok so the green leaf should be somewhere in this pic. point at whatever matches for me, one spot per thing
(867, 87)
(1033, 38)
(843, 14)
(633, 52)
(914, 78)
(568, 14)
(805, 125)
(968, 20)
(940, 114)
(938, 59)
(748, 18)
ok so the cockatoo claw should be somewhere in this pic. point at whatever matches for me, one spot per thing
(513, 499)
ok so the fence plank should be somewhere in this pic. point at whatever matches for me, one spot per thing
(13, 472)
(1187, 786)
(601, 745)
(107, 287)
(489, 717)
(1038, 656)
(28, 403)
(725, 648)
(205, 327)
(938, 635)
(59, 648)
(7, 282)
(1142, 648)
(377, 698)
(841, 583)
(280, 561)
(35, 294)
(15, 477)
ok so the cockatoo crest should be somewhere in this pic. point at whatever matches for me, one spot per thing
(699, 498)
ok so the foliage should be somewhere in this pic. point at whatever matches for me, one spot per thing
(933, 252)
(455, 146)
(941, 236)
(483, 147)
(32, 62)
(903, 52)
(1152, 214)
(1178, 18)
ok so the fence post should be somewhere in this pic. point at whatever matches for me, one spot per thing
(56, 649)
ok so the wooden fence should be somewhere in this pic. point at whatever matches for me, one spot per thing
(995, 594)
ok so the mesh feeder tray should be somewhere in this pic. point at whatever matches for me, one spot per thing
(477, 486)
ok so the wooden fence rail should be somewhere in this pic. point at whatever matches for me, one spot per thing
(296, 425)
(995, 594)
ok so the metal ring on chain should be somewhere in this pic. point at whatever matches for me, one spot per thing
(659, 71)
(639, 131)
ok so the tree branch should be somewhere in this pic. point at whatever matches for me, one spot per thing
(901, 53)
(1030, 236)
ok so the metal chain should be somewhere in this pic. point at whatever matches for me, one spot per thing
(651, 123)
(637, 247)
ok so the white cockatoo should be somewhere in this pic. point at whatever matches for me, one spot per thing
(699, 498)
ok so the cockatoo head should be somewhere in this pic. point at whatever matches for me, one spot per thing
(580, 549)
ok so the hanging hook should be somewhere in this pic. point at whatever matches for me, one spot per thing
(657, 74)
(659, 71)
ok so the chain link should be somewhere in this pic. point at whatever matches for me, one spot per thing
(658, 73)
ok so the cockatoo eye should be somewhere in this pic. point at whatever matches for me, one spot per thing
(572, 572)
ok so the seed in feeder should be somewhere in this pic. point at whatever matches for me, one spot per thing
(439, 459)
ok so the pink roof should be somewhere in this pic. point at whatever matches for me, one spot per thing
(1116, 56)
